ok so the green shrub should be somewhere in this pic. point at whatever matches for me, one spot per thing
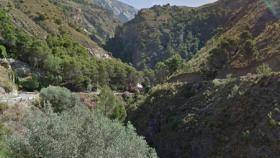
(3, 51)
(59, 98)
(111, 105)
(264, 69)
(31, 84)
(77, 133)
(3, 107)
(65, 62)
(5, 80)
(3, 149)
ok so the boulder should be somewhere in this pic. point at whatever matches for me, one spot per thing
(22, 69)
(2, 90)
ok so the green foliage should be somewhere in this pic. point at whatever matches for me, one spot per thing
(77, 133)
(161, 71)
(163, 31)
(166, 68)
(7, 29)
(6, 80)
(149, 78)
(3, 51)
(59, 98)
(173, 63)
(3, 149)
(111, 105)
(65, 62)
(264, 69)
(30, 84)
(272, 121)
(231, 50)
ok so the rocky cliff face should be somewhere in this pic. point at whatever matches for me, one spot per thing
(97, 18)
(123, 11)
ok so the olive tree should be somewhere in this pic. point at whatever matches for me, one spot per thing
(77, 133)
(59, 98)
(111, 105)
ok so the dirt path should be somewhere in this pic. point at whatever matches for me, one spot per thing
(22, 97)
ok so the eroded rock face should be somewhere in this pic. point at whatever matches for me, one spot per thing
(123, 11)
(21, 69)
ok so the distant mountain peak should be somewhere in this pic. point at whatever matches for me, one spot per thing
(123, 11)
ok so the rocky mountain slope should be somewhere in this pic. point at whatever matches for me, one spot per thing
(49, 37)
(249, 42)
(123, 11)
(98, 18)
(161, 31)
(235, 117)
(222, 102)
(158, 33)
(41, 18)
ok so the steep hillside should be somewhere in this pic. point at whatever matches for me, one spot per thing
(235, 117)
(44, 39)
(91, 19)
(123, 11)
(41, 18)
(250, 41)
(157, 33)
(95, 18)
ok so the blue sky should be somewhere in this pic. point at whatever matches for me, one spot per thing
(149, 3)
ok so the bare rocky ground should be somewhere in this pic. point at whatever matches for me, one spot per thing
(21, 97)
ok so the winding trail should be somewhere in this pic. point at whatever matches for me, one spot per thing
(26, 97)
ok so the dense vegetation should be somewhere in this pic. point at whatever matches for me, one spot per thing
(64, 62)
(162, 31)
(59, 98)
(76, 132)
(248, 41)
(110, 105)
(222, 101)
(162, 71)
(234, 117)
(232, 51)
(99, 23)
(235, 112)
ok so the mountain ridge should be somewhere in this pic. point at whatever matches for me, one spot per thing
(166, 30)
